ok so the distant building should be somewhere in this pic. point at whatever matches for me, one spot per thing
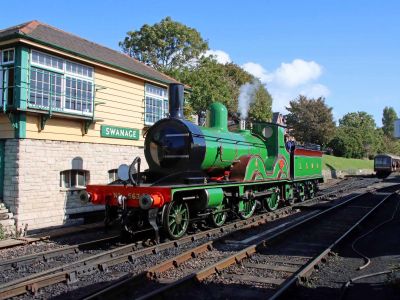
(278, 118)
(397, 129)
(71, 112)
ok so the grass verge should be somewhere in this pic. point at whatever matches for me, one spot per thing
(341, 164)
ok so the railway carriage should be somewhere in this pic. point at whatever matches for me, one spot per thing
(385, 164)
(206, 173)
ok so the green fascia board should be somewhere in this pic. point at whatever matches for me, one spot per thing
(27, 37)
(21, 65)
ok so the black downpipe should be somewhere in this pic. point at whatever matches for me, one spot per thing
(176, 91)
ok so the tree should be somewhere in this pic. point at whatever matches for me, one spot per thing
(260, 109)
(165, 46)
(356, 136)
(387, 144)
(212, 81)
(389, 116)
(311, 120)
(209, 83)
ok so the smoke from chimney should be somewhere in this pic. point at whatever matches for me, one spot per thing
(247, 96)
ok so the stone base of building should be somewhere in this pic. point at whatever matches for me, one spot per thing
(7, 222)
(32, 184)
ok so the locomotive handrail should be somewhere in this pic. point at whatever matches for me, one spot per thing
(231, 140)
(138, 161)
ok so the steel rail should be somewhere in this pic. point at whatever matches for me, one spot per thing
(44, 256)
(307, 269)
(248, 251)
(70, 272)
(101, 261)
(45, 236)
(154, 272)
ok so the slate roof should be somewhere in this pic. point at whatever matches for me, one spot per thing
(50, 36)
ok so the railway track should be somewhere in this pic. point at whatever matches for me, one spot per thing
(48, 235)
(56, 233)
(23, 262)
(265, 264)
(70, 272)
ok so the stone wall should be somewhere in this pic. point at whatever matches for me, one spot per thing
(329, 174)
(32, 177)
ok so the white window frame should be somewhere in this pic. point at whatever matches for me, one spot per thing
(59, 109)
(64, 97)
(43, 66)
(89, 78)
(114, 174)
(86, 176)
(4, 92)
(163, 97)
(2, 58)
(64, 73)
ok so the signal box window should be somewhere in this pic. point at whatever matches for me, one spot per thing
(156, 104)
(6, 77)
(64, 85)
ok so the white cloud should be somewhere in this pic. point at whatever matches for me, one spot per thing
(315, 90)
(290, 80)
(258, 71)
(297, 72)
(221, 56)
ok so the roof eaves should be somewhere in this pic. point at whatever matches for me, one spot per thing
(25, 36)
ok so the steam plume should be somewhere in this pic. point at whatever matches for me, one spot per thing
(247, 96)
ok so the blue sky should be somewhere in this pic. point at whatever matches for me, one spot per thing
(347, 51)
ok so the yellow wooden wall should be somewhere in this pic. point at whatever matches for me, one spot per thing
(6, 130)
(123, 106)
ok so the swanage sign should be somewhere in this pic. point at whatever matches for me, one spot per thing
(119, 132)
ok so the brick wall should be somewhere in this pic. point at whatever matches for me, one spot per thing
(32, 177)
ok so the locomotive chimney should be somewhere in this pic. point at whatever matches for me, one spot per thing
(176, 100)
(242, 124)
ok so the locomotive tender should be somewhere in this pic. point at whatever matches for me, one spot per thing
(198, 173)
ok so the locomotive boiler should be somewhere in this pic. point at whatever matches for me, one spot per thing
(206, 174)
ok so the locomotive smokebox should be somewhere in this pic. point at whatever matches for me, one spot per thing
(176, 91)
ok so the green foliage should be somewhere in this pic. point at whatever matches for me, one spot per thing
(389, 116)
(260, 110)
(356, 136)
(311, 120)
(209, 83)
(386, 144)
(175, 49)
(165, 46)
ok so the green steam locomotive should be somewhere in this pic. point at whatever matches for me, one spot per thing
(207, 173)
